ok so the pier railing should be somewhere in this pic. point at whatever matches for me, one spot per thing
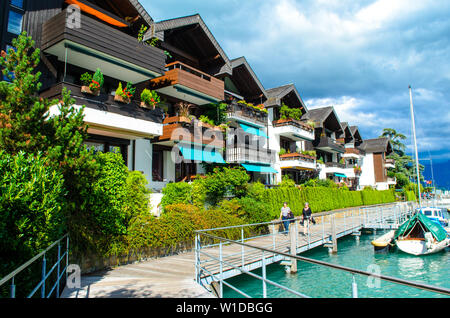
(51, 280)
(218, 257)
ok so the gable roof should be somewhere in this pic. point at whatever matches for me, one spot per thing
(346, 130)
(322, 115)
(275, 95)
(377, 145)
(355, 132)
(246, 79)
(159, 28)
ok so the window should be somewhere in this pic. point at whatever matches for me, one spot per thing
(17, 3)
(15, 22)
(158, 166)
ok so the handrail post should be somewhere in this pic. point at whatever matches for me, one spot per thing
(354, 288)
(221, 270)
(243, 251)
(13, 289)
(67, 255)
(58, 269)
(196, 258)
(264, 275)
(44, 265)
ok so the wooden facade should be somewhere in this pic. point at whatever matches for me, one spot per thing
(379, 168)
(182, 74)
(102, 38)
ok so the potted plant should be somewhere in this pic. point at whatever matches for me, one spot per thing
(124, 95)
(149, 99)
(206, 122)
(95, 84)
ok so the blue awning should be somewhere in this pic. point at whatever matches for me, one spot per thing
(340, 175)
(198, 154)
(253, 130)
(258, 168)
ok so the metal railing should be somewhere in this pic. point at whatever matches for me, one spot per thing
(44, 273)
(236, 256)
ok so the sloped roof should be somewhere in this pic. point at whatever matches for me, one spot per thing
(346, 129)
(324, 114)
(355, 132)
(377, 145)
(275, 95)
(141, 10)
(159, 28)
(240, 66)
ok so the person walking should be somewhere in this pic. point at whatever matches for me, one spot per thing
(285, 215)
(307, 216)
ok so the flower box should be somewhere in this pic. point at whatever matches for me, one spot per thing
(87, 90)
(121, 99)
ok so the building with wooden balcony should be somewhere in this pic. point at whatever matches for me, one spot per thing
(374, 168)
(81, 36)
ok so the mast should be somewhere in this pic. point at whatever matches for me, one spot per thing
(415, 146)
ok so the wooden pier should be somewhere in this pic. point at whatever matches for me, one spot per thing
(179, 276)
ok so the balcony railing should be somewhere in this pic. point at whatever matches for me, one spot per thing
(104, 102)
(179, 128)
(97, 45)
(243, 154)
(293, 129)
(297, 156)
(238, 111)
(337, 165)
(390, 163)
(180, 74)
(330, 144)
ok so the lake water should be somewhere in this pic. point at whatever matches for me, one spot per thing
(318, 281)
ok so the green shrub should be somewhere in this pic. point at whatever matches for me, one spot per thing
(32, 202)
(224, 182)
(323, 198)
(97, 81)
(256, 191)
(86, 79)
(175, 228)
(174, 193)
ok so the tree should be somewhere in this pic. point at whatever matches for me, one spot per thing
(395, 138)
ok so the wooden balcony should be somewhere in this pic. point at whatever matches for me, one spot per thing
(183, 129)
(97, 45)
(187, 83)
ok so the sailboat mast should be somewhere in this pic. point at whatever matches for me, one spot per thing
(415, 146)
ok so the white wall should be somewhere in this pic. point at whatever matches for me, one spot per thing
(144, 153)
(367, 177)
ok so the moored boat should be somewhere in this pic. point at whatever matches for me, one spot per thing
(384, 242)
(420, 236)
(436, 215)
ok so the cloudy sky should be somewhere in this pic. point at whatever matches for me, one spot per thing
(359, 56)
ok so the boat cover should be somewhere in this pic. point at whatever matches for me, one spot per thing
(436, 230)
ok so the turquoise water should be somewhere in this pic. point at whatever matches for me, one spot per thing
(318, 281)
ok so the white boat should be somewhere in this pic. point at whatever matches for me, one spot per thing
(420, 236)
(436, 215)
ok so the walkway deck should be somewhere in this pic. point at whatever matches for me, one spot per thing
(168, 277)
(174, 276)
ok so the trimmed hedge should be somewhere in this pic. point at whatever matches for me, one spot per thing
(323, 199)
